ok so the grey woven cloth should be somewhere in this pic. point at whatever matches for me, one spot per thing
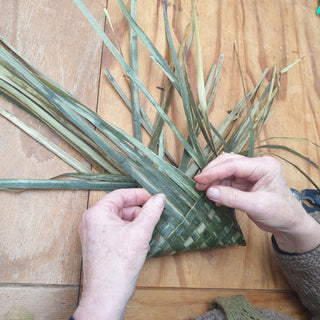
(303, 274)
(302, 271)
(238, 308)
(219, 315)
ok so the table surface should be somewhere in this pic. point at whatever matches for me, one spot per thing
(40, 255)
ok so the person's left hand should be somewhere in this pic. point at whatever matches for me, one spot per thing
(115, 235)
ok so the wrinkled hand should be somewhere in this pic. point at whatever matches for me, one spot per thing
(115, 235)
(257, 186)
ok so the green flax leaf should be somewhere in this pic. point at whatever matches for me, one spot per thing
(184, 93)
(73, 162)
(298, 168)
(134, 77)
(148, 43)
(290, 150)
(134, 65)
(43, 184)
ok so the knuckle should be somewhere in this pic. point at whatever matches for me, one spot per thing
(151, 213)
(111, 206)
(273, 163)
(230, 155)
(232, 199)
(225, 156)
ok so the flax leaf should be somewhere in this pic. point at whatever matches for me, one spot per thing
(73, 162)
(134, 66)
(298, 168)
(43, 184)
(290, 150)
(133, 76)
(184, 93)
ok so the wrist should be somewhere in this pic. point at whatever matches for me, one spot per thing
(302, 237)
(102, 304)
(93, 308)
(88, 314)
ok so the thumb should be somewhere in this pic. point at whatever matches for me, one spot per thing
(150, 214)
(232, 198)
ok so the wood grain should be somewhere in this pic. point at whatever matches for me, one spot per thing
(38, 230)
(37, 303)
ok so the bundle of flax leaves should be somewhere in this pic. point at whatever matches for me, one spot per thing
(190, 221)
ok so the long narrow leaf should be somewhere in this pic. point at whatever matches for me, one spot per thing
(145, 121)
(62, 128)
(185, 160)
(215, 82)
(73, 162)
(251, 139)
(184, 94)
(200, 77)
(240, 69)
(134, 78)
(127, 164)
(134, 65)
(159, 125)
(210, 79)
(115, 133)
(290, 150)
(298, 168)
(34, 184)
(66, 107)
(291, 139)
(286, 69)
(110, 178)
(148, 43)
(200, 83)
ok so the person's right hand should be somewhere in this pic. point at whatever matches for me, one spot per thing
(257, 186)
(115, 234)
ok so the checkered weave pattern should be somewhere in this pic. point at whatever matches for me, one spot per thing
(203, 226)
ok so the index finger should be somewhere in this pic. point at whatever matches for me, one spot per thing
(123, 198)
(246, 168)
(220, 159)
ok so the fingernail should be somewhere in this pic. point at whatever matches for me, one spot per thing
(159, 200)
(213, 193)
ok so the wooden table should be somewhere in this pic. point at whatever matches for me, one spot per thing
(39, 245)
